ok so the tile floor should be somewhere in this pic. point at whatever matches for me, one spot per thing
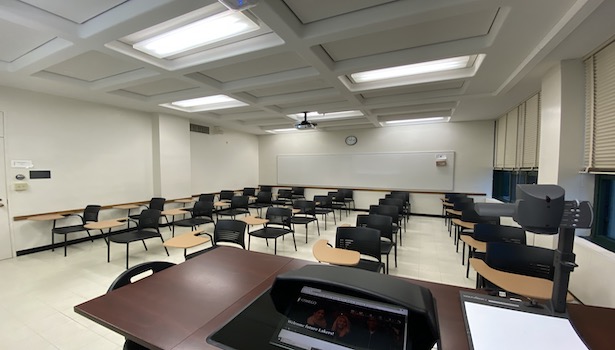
(38, 291)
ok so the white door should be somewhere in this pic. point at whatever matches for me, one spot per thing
(6, 249)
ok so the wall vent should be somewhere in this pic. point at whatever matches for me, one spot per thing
(199, 128)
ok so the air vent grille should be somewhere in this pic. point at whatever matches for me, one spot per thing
(199, 128)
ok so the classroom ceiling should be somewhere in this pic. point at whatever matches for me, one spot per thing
(300, 57)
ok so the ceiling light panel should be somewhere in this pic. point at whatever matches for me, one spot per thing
(203, 32)
(416, 121)
(417, 73)
(327, 116)
(208, 103)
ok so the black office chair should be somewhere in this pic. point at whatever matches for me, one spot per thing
(207, 197)
(298, 193)
(384, 224)
(90, 214)
(305, 216)
(263, 200)
(391, 211)
(249, 191)
(230, 231)
(338, 202)
(265, 188)
(154, 203)
(279, 225)
(284, 198)
(405, 196)
(226, 195)
(147, 227)
(202, 213)
(125, 278)
(239, 206)
(324, 206)
(364, 240)
(519, 259)
(485, 232)
(469, 214)
(348, 195)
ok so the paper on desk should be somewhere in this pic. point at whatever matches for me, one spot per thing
(499, 328)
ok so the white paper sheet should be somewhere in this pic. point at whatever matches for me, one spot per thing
(499, 328)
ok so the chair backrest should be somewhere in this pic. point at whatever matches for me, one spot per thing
(263, 197)
(279, 216)
(249, 191)
(382, 223)
(362, 220)
(203, 209)
(347, 193)
(336, 196)
(305, 207)
(157, 203)
(149, 218)
(298, 191)
(453, 197)
(285, 193)
(498, 233)
(227, 194)
(90, 213)
(207, 197)
(402, 195)
(125, 278)
(388, 210)
(265, 188)
(463, 203)
(323, 201)
(230, 231)
(397, 202)
(521, 259)
(239, 202)
(364, 240)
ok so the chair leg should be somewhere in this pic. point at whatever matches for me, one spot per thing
(275, 247)
(306, 232)
(318, 226)
(65, 245)
(88, 232)
(249, 236)
(294, 240)
(144, 244)
(127, 250)
(165, 248)
(395, 248)
(53, 241)
(387, 264)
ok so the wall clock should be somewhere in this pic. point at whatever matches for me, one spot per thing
(351, 140)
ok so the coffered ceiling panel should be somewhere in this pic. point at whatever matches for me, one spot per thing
(424, 33)
(301, 56)
(91, 66)
(76, 11)
(159, 87)
(315, 10)
(261, 66)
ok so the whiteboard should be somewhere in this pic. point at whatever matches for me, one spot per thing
(406, 171)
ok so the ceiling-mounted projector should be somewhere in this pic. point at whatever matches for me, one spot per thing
(238, 5)
(304, 124)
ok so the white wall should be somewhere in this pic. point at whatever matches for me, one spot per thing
(471, 141)
(227, 161)
(96, 154)
(174, 162)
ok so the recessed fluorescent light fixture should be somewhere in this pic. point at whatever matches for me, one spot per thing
(418, 73)
(326, 116)
(411, 69)
(196, 34)
(275, 131)
(416, 121)
(208, 103)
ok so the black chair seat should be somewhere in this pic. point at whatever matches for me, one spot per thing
(270, 232)
(386, 246)
(233, 212)
(133, 236)
(370, 265)
(301, 220)
(191, 222)
(68, 229)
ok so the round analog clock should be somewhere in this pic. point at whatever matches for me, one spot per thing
(351, 140)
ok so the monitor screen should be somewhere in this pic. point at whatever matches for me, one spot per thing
(320, 319)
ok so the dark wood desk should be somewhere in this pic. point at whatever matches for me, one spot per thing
(179, 307)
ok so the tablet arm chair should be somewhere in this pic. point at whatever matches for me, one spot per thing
(147, 227)
(90, 214)
(125, 278)
(201, 214)
(305, 216)
(364, 240)
(239, 206)
(230, 231)
(279, 225)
